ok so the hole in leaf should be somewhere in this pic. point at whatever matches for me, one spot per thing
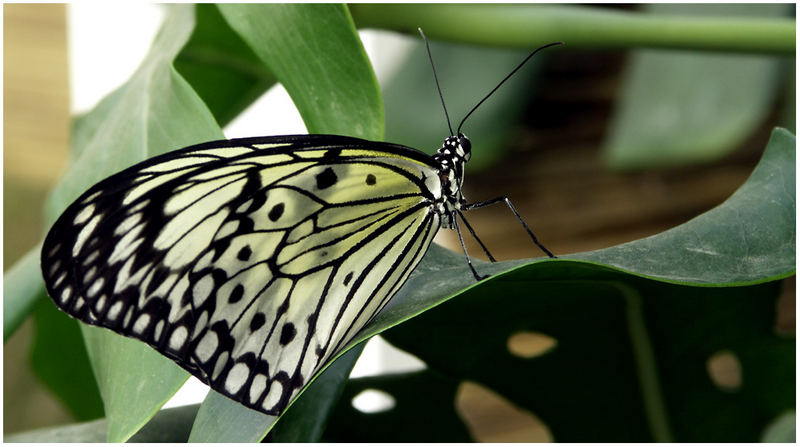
(490, 417)
(373, 401)
(781, 429)
(530, 344)
(725, 370)
(379, 357)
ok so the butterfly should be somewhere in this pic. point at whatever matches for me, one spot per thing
(252, 262)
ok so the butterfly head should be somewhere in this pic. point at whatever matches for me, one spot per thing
(457, 147)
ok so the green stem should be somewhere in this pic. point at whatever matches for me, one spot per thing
(22, 288)
(644, 354)
(580, 26)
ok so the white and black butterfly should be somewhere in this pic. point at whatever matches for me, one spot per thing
(252, 262)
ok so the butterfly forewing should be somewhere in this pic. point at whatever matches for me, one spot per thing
(249, 262)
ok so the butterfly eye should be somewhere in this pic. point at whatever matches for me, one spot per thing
(466, 146)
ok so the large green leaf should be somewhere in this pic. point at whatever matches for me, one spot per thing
(222, 420)
(315, 53)
(306, 420)
(422, 411)
(634, 326)
(171, 425)
(705, 104)
(629, 364)
(58, 357)
(61, 362)
(756, 225)
(749, 238)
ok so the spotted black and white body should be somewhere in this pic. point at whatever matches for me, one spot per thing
(450, 159)
(253, 262)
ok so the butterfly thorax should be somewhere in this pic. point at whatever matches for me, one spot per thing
(451, 158)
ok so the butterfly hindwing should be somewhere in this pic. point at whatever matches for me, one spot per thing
(249, 262)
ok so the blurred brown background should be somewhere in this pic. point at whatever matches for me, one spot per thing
(571, 206)
(35, 142)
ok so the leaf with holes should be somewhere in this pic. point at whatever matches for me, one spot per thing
(634, 328)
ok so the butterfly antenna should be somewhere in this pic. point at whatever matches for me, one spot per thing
(435, 78)
(504, 80)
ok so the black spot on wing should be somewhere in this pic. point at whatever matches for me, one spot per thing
(326, 178)
(297, 381)
(370, 179)
(244, 253)
(258, 320)
(283, 307)
(277, 211)
(236, 294)
(287, 333)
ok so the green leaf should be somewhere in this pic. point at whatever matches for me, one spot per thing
(634, 325)
(414, 115)
(422, 411)
(61, 365)
(220, 419)
(755, 226)
(704, 106)
(307, 418)
(58, 356)
(749, 238)
(626, 366)
(315, 53)
(154, 112)
(61, 362)
(171, 425)
(22, 288)
(220, 66)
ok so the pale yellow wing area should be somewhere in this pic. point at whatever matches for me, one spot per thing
(248, 262)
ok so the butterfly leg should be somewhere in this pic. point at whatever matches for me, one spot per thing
(464, 247)
(474, 235)
(505, 199)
